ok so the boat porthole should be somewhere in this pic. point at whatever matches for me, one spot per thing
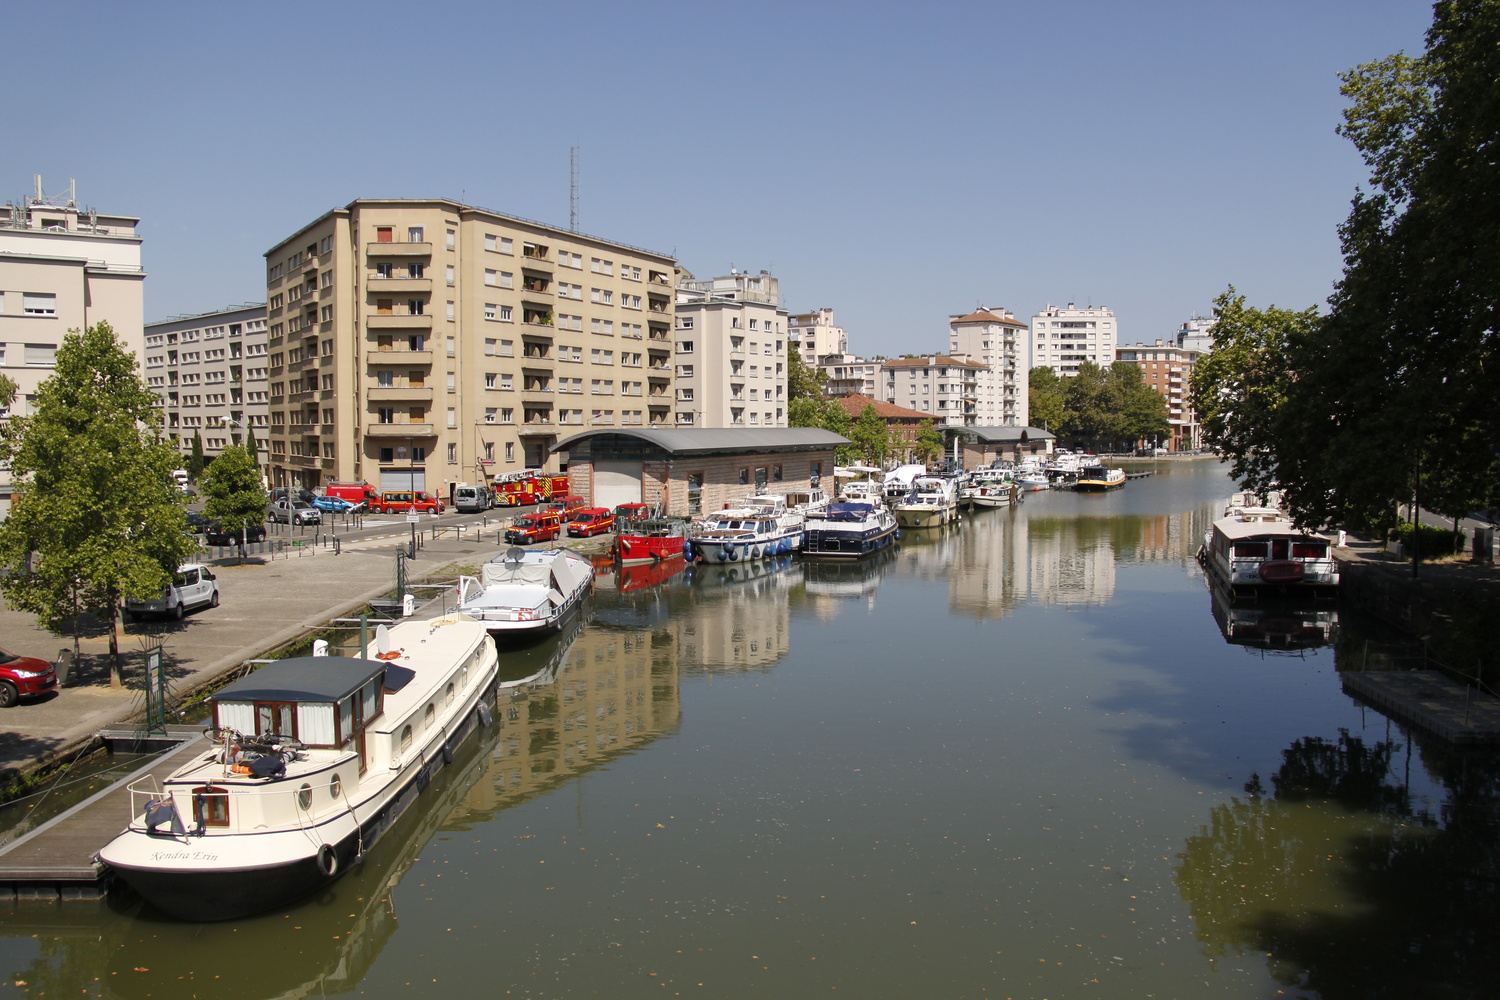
(335, 786)
(304, 796)
(328, 861)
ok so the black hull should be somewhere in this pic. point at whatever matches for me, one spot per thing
(825, 544)
(202, 896)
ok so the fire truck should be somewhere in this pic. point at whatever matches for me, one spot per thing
(521, 489)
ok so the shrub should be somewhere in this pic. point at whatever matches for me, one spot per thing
(1433, 541)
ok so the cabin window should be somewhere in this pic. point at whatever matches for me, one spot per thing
(276, 717)
(1280, 547)
(335, 787)
(428, 716)
(211, 805)
(405, 738)
(304, 797)
(448, 698)
(1249, 550)
(1309, 550)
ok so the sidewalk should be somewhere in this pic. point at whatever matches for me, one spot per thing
(264, 603)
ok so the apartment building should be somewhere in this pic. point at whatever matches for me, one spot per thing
(846, 374)
(1063, 337)
(433, 342)
(946, 387)
(999, 340)
(209, 374)
(62, 268)
(731, 353)
(1167, 369)
(1196, 334)
(815, 334)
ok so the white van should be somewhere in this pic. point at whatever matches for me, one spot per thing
(472, 499)
(181, 476)
(193, 586)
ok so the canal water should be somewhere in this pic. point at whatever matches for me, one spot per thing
(1030, 756)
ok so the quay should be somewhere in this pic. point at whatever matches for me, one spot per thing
(1460, 714)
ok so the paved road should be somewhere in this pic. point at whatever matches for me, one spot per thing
(266, 601)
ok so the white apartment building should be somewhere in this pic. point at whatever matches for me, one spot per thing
(1063, 337)
(62, 268)
(816, 335)
(944, 386)
(209, 374)
(427, 342)
(1194, 334)
(999, 340)
(731, 353)
(848, 375)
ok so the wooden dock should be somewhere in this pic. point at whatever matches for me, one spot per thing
(1431, 701)
(57, 860)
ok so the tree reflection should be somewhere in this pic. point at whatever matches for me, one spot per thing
(1344, 887)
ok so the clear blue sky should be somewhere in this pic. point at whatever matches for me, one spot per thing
(896, 162)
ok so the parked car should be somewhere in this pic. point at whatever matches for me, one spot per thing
(192, 586)
(591, 521)
(23, 677)
(293, 493)
(334, 505)
(197, 521)
(406, 502)
(472, 499)
(567, 506)
(294, 512)
(214, 534)
(542, 526)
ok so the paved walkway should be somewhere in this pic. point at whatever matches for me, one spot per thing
(265, 602)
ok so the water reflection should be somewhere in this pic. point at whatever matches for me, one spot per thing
(1278, 627)
(1349, 889)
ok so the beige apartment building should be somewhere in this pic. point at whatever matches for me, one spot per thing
(62, 268)
(433, 342)
(731, 352)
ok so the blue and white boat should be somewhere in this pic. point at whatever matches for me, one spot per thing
(761, 526)
(848, 530)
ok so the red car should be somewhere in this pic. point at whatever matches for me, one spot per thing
(23, 677)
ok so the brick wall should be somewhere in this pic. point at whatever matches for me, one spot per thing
(721, 478)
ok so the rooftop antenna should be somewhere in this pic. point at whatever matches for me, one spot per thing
(573, 189)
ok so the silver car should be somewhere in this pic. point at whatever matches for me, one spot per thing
(294, 512)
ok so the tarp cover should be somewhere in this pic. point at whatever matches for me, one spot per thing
(560, 571)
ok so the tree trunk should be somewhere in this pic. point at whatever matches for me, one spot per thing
(116, 629)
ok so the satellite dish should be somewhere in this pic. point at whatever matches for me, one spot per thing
(382, 639)
(515, 554)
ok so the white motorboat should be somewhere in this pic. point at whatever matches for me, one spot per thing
(932, 503)
(1256, 548)
(849, 530)
(994, 492)
(313, 760)
(524, 593)
(761, 526)
(898, 481)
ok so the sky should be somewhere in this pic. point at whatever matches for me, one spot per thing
(896, 162)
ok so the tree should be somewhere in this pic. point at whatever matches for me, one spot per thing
(928, 447)
(1401, 378)
(1093, 410)
(233, 491)
(871, 436)
(802, 380)
(94, 516)
(195, 460)
(1045, 393)
(252, 447)
(1144, 414)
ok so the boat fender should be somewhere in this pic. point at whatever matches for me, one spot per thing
(447, 754)
(328, 860)
(485, 718)
(687, 551)
(731, 553)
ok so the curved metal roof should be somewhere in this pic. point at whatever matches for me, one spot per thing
(697, 440)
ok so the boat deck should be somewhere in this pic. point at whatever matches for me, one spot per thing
(1431, 701)
(57, 859)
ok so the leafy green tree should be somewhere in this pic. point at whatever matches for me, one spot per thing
(195, 460)
(928, 447)
(1143, 415)
(1045, 394)
(871, 436)
(234, 494)
(803, 381)
(1091, 404)
(94, 516)
(252, 447)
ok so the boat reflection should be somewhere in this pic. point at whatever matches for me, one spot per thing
(1283, 626)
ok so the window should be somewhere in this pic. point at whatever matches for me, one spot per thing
(490, 312)
(414, 234)
(448, 273)
(507, 348)
(386, 415)
(744, 477)
(384, 234)
(489, 380)
(684, 347)
(489, 414)
(211, 805)
(449, 240)
(684, 322)
(39, 304)
(41, 354)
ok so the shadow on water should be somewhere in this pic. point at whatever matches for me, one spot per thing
(1349, 889)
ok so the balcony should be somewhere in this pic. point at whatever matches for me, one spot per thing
(537, 393)
(399, 394)
(399, 285)
(398, 249)
(399, 357)
(535, 254)
(400, 430)
(398, 321)
(302, 396)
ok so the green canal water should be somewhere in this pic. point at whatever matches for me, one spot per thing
(1019, 758)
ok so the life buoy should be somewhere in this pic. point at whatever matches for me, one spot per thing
(328, 860)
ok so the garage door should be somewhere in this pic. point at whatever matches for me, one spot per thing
(402, 479)
(616, 483)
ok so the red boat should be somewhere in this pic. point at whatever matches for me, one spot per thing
(650, 539)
